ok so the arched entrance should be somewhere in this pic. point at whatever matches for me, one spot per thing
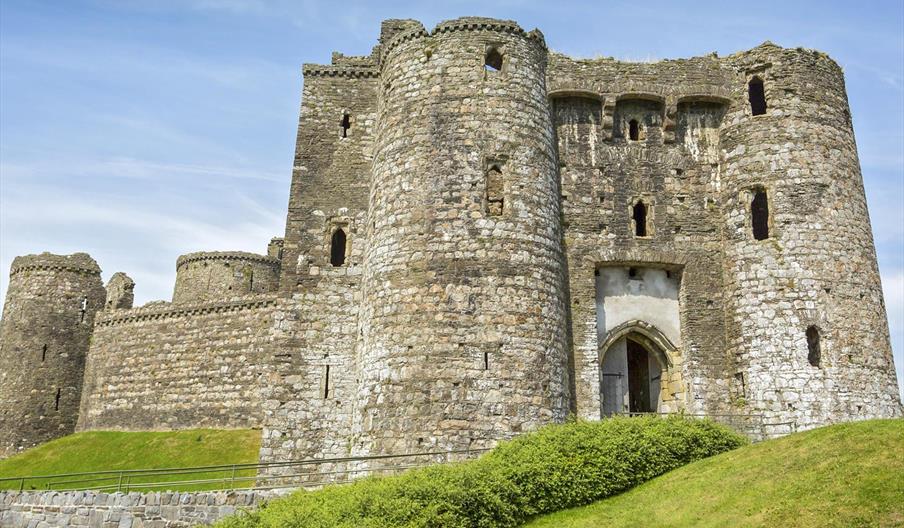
(632, 361)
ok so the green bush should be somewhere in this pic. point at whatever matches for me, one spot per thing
(557, 467)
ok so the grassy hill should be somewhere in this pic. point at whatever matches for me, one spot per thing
(115, 450)
(847, 475)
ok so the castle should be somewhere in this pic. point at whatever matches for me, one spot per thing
(483, 237)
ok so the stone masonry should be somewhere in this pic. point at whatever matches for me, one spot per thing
(484, 236)
(88, 509)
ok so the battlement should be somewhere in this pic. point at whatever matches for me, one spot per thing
(163, 310)
(226, 256)
(75, 263)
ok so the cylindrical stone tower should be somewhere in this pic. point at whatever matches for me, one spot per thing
(220, 275)
(806, 321)
(463, 320)
(47, 322)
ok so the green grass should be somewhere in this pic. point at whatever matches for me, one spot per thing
(116, 450)
(556, 467)
(848, 475)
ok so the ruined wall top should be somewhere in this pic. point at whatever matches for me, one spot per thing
(226, 255)
(77, 262)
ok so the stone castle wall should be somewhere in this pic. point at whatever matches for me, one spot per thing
(44, 335)
(817, 269)
(673, 168)
(311, 387)
(463, 296)
(168, 366)
(88, 509)
(457, 198)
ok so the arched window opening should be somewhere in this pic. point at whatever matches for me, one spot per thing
(337, 248)
(346, 124)
(633, 130)
(640, 219)
(493, 60)
(814, 354)
(495, 195)
(759, 215)
(757, 96)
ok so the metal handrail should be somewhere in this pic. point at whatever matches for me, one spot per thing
(124, 477)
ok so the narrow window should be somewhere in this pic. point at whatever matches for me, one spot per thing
(495, 192)
(486, 360)
(640, 219)
(326, 383)
(337, 248)
(759, 215)
(493, 60)
(251, 280)
(814, 355)
(346, 124)
(56, 401)
(84, 309)
(43, 353)
(757, 96)
(633, 130)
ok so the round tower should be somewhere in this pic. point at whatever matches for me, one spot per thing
(463, 337)
(806, 321)
(222, 275)
(47, 321)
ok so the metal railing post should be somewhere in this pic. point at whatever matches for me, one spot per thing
(119, 484)
(232, 482)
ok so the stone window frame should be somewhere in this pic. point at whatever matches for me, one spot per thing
(346, 223)
(500, 48)
(760, 73)
(746, 197)
(498, 161)
(346, 133)
(649, 201)
(622, 124)
(823, 328)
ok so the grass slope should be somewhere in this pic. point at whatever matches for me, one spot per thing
(113, 450)
(848, 475)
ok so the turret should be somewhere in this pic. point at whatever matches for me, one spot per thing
(463, 319)
(47, 322)
(806, 321)
(221, 275)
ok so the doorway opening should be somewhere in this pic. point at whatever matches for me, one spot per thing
(631, 378)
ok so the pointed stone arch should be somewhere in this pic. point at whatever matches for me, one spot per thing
(643, 373)
(650, 336)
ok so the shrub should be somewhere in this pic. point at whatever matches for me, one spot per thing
(557, 467)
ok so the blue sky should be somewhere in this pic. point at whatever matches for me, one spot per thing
(141, 130)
